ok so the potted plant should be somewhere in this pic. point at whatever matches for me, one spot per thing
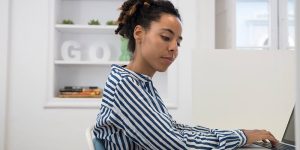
(94, 22)
(111, 22)
(67, 21)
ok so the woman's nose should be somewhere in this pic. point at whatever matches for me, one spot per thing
(173, 46)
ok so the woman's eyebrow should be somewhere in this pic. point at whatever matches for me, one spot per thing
(172, 32)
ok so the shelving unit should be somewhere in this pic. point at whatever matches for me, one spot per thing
(86, 72)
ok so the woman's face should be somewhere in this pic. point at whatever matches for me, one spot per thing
(157, 47)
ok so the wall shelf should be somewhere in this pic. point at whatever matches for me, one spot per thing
(92, 29)
(74, 103)
(84, 103)
(62, 62)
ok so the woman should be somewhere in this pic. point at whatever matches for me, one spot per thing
(132, 114)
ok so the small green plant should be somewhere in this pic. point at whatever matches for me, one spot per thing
(67, 21)
(111, 22)
(94, 22)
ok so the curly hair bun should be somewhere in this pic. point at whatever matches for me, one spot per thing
(141, 12)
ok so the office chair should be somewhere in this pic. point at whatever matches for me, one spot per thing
(93, 143)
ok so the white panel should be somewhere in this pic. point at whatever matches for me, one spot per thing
(298, 73)
(241, 87)
(4, 46)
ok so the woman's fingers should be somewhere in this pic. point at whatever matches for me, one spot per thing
(269, 136)
(260, 135)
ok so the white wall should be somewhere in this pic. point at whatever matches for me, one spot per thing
(240, 89)
(4, 42)
(29, 125)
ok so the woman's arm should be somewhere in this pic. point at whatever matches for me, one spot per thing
(187, 127)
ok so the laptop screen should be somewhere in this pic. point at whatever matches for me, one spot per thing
(289, 134)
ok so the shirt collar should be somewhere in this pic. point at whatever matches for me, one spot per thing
(140, 76)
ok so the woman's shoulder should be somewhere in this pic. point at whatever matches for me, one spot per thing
(117, 78)
(119, 74)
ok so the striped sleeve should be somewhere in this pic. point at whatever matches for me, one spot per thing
(187, 127)
(154, 130)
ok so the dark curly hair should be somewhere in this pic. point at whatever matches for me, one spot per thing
(141, 12)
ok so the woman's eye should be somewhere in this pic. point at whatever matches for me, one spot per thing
(165, 38)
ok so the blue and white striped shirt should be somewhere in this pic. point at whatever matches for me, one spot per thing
(133, 116)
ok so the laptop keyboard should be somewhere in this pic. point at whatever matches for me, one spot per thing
(279, 146)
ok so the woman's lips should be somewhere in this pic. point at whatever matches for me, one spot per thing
(168, 59)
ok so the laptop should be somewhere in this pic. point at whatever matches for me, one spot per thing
(288, 140)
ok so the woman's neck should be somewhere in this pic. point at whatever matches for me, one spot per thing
(140, 67)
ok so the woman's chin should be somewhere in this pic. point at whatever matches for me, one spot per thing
(162, 69)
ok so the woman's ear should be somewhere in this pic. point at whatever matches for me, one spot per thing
(138, 33)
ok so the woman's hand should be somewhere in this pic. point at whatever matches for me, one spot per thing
(259, 135)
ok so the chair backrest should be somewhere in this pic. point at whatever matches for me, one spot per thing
(93, 143)
(98, 144)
